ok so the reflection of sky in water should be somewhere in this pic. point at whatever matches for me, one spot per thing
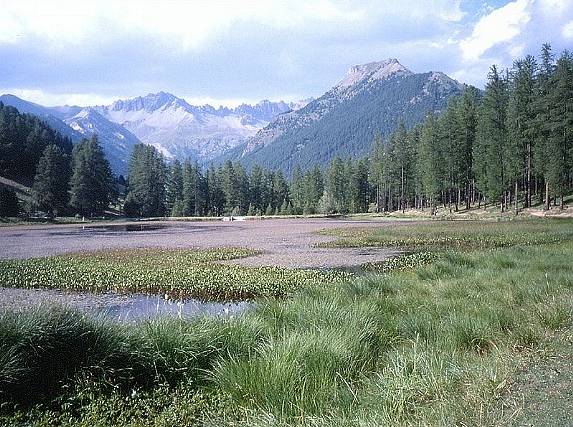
(124, 308)
(140, 307)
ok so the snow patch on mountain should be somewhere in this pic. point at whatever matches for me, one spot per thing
(182, 130)
(117, 142)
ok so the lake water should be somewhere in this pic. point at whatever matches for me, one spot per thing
(123, 308)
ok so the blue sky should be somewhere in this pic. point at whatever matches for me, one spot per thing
(226, 52)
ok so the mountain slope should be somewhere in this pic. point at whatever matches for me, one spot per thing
(370, 98)
(43, 113)
(116, 141)
(181, 130)
(77, 123)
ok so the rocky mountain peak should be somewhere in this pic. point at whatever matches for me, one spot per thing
(150, 102)
(371, 72)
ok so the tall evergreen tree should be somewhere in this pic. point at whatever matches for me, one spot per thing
(91, 186)
(542, 119)
(560, 140)
(50, 188)
(518, 150)
(492, 137)
(376, 173)
(147, 175)
(174, 189)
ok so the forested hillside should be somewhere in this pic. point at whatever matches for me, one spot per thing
(23, 138)
(344, 121)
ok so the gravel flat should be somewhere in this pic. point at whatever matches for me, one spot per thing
(284, 242)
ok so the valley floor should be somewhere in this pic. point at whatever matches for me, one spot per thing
(282, 242)
(470, 325)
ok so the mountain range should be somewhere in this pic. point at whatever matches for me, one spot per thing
(371, 98)
(176, 128)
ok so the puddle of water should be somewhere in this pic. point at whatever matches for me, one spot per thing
(128, 227)
(123, 308)
(140, 307)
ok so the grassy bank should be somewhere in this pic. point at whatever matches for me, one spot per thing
(456, 235)
(430, 343)
(175, 272)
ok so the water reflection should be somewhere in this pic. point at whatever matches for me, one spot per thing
(123, 308)
(140, 307)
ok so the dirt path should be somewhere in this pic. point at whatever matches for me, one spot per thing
(284, 242)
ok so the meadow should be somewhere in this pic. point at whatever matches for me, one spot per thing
(434, 337)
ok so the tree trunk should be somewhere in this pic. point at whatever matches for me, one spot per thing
(402, 188)
(468, 196)
(546, 195)
(528, 177)
(450, 199)
(562, 204)
(516, 210)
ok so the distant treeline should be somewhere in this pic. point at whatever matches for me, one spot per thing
(506, 145)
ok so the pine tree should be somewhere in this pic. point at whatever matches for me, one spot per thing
(147, 175)
(215, 196)
(336, 185)
(376, 172)
(560, 140)
(50, 188)
(492, 137)
(91, 186)
(174, 190)
(428, 162)
(521, 120)
(313, 190)
(297, 191)
(467, 121)
(542, 116)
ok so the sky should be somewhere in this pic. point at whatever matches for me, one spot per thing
(227, 52)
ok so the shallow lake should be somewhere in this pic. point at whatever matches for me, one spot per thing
(123, 308)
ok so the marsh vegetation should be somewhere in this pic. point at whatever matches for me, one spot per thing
(433, 340)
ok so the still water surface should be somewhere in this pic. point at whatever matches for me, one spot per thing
(123, 308)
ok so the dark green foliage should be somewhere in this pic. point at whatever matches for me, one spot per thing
(9, 205)
(174, 186)
(146, 196)
(50, 189)
(349, 128)
(492, 136)
(23, 139)
(91, 187)
(559, 145)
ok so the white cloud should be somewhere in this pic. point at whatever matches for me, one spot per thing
(499, 26)
(49, 99)
(187, 22)
(567, 31)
